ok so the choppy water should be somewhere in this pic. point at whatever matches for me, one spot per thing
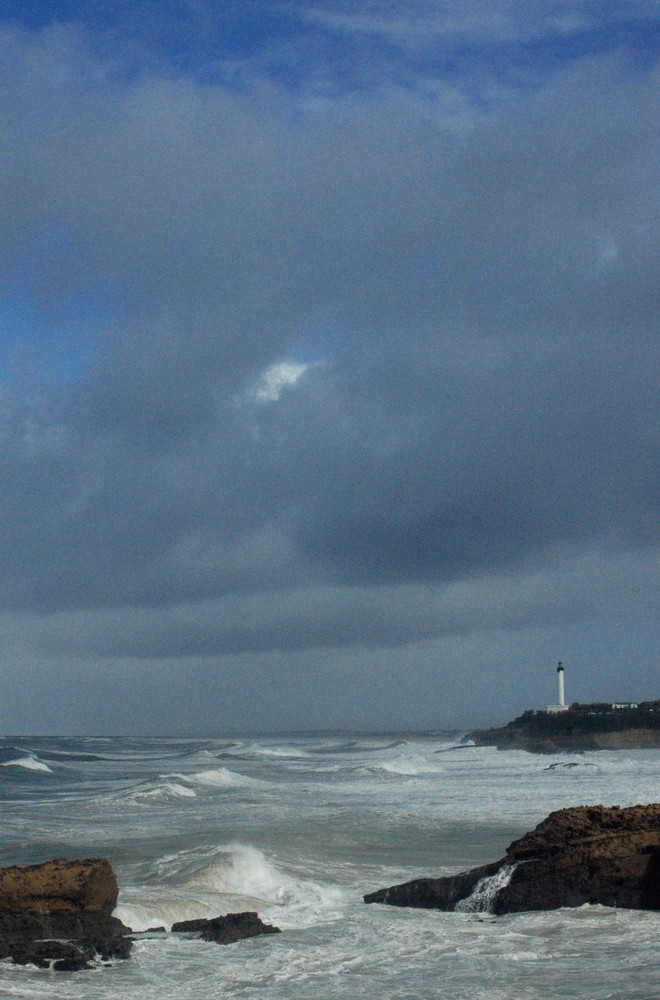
(298, 829)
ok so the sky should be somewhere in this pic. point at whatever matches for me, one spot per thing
(329, 362)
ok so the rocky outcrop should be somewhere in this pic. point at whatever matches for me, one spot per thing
(587, 854)
(60, 913)
(433, 893)
(227, 929)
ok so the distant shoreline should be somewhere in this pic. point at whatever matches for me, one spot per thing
(597, 726)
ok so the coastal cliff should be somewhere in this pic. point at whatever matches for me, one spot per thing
(595, 726)
(586, 854)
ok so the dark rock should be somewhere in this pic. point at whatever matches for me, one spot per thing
(587, 854)
(73, 964)
(433, 893)
(64, 900)
(109, 943)
(59, 955)
(227, 929)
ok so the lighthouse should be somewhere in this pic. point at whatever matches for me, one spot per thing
(561, 705)
(560, 686)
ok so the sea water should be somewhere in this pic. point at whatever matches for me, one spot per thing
(298, 829)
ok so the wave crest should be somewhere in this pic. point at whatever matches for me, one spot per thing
(238, 877)
(30, 763)
(410, 766)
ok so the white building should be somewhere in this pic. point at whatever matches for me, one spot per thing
(561, 705)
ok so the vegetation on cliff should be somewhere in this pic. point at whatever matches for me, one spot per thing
(596, 726)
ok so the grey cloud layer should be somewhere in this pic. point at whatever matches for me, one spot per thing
(484, 310)
(593, 586)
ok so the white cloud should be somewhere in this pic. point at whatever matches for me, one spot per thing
(478, 21)
(276, 379)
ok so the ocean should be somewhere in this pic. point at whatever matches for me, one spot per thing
(298, 828)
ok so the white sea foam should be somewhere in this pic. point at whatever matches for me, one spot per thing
(410, 765)
(180, 786)
(143, 914)
(240, 877)
(219, 777)
(483, 896)
(30, 763)
(279, 751)
(161, 792)
(242, 870)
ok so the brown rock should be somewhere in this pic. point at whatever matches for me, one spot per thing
(59, 886)
(589, 825)
(587, 854)
(60, 899)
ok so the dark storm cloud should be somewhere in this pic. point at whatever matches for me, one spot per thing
(527, 453)
(477, 310)
(591, 585)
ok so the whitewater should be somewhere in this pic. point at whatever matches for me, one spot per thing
(298, 828)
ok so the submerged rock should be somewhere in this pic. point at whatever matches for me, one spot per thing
(225, 930)
(61, 912)
(586, 854)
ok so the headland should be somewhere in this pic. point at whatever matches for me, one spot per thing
(597, 726)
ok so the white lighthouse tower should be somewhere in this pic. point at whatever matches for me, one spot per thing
(561, 705)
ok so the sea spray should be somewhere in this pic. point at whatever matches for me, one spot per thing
(238, 877)
(483, 896)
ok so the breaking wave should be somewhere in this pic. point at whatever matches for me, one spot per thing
(163, 792)
(239, 877)
(172, 787)
(30, 763)
(219, 777)
(410, 766)
(284, 752)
